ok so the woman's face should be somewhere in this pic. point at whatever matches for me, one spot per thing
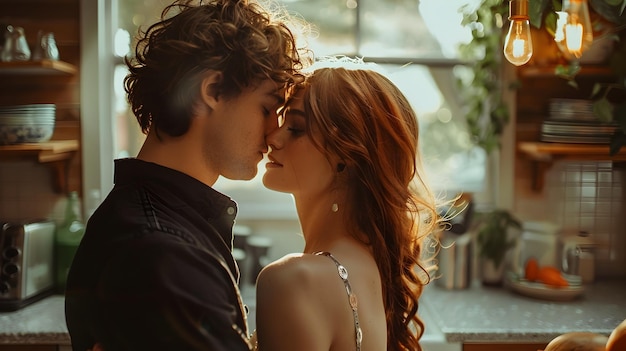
(295, 165)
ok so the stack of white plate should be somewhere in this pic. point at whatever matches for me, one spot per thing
(572, 110)
(26, 123)
(573, 121)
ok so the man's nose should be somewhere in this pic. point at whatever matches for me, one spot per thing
(271, 124)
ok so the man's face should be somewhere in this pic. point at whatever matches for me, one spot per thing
(236, 142)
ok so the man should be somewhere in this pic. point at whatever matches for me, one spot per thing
(154, 270)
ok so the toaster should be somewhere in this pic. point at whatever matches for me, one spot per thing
(26, 263)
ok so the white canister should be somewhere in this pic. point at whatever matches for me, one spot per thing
(540, 241)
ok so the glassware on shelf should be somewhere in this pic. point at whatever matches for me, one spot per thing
(46, 47)
(15, 47)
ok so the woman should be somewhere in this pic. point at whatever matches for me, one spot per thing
(346, 149)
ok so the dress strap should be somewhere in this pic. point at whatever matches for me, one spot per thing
(343, 274)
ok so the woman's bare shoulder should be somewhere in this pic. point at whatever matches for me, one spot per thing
(303, 270)
(291, 303)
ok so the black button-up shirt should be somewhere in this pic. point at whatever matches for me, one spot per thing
(154, 270)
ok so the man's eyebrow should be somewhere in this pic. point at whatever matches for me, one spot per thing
(280, 99)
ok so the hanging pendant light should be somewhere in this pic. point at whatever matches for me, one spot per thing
(574, 33)
(518, 46)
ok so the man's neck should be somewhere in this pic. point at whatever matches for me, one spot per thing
(179, 153)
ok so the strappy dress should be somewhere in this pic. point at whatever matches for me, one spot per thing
(352, 300)
(343, 274)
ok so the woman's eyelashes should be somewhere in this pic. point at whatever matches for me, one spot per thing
(291, 126)
(295, 131)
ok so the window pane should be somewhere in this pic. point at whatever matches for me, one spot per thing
(395, 29)
(385, 28)
(451, 161)
(333, 24)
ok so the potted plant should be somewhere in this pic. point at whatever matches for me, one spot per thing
(493, 241)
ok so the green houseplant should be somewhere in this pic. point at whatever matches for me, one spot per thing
(486, 113)
(493, 242)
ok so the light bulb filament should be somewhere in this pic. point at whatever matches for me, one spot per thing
(518, 47)
(574, 37)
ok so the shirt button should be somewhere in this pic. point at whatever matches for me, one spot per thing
(230, 210)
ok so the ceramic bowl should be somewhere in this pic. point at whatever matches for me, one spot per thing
(25, 133)
(26, 123)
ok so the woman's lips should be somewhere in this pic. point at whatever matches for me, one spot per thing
(272, 162)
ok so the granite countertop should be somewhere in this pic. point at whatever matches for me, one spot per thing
(497, 314)
(43, 322)
(475, 314)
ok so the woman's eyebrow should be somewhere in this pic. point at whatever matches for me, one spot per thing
(293, 111)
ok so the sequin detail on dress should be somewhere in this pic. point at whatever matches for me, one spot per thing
(343, 274)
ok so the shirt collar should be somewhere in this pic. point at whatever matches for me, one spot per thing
(208, 201)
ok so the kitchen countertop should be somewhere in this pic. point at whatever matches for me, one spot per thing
(475, 314)
(43, 322)
(497, 314)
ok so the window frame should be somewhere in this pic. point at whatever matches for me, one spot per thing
(98, 26)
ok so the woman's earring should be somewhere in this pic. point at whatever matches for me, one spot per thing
(340, 168)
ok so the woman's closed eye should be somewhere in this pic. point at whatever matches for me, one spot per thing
(295, 131)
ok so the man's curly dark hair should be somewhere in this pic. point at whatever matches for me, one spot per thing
(239, 38)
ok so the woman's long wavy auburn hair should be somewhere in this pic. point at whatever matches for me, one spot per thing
(366, 121)
(244, 41)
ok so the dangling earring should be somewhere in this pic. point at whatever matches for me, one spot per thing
(340, 168)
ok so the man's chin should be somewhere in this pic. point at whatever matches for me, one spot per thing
(241, 175)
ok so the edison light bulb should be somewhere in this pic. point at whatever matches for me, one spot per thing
(518, 45)
(574, 33)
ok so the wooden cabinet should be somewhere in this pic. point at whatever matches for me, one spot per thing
(56, 154)
(47, 82)
(542, 155)
(43, 67)
(537, 86)
(503, 346)
(34, 348)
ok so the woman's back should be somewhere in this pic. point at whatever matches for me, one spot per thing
(304, 298)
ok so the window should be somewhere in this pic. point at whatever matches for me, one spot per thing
(415, 41)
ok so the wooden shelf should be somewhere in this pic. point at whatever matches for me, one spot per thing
(549, 71)
(43, 67)
(544, 155)
(56, 154)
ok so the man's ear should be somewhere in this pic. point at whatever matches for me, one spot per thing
(210, 88)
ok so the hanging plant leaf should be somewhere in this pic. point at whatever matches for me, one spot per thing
(618, 139)
(536, 9)
(611, 10)
(485, 113)
(603, 110)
